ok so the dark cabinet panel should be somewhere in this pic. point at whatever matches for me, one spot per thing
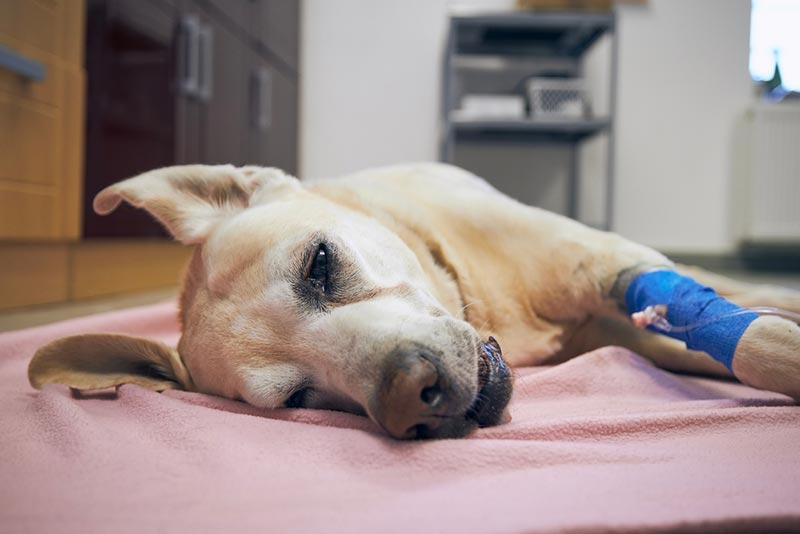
(277, 23)
(130, 105)
(222, 93)
(283, 139)
(186, 81)
(239, 13)
(260, 102)
(272, 138)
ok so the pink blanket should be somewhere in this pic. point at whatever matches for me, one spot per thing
(605, 442)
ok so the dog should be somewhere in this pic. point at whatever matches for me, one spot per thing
(388, 293)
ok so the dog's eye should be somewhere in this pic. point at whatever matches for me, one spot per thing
(318, 275)
(298, 398)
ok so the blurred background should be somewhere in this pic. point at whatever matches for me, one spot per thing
(672, 122)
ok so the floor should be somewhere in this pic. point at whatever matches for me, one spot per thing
(788, 279)
(39, 315)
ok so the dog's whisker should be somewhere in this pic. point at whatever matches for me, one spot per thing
(483, 325)
(467, 305)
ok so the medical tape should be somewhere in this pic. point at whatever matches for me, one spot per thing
(690, 303)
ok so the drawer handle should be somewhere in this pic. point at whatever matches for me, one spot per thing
(19, 64)
(206, 76)
(189, 55)
(261, 99)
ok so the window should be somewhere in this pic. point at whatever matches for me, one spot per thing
(774, 36)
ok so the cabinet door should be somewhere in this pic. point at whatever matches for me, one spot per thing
(41, 119)
(189, 108)
(272, 138)
(239, 12)
(259, 110)
(278, 29)
(131, 122)
(283, 133)
(222, 93)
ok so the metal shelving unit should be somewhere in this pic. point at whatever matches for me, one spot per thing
(495, 52)
(526, 131)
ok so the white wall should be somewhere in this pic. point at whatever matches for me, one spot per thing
(370, 96)
(369, 83)
(683, 86)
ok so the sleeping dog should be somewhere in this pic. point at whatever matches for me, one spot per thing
(388, 293)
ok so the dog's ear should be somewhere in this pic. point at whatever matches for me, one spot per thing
(98, 361)
(191, 199)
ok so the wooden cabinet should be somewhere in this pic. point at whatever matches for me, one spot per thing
(131, 109)
(272, 135)
(222, 100)
(161, 82)
(195, 81)
(41, 118)
(274, 24)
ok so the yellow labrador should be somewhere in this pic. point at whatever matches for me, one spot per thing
(383, 293)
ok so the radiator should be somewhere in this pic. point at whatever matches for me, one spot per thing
(769, 203)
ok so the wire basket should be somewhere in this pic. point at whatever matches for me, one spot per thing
(557, 98)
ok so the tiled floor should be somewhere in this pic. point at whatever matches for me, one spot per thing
(39, 315)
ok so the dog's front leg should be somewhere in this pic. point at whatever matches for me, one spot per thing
(761, 351)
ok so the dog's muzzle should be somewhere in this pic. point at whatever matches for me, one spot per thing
(415, 398)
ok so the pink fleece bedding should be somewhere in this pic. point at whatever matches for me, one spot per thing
(605, 442)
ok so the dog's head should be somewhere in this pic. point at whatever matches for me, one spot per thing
(293, 300)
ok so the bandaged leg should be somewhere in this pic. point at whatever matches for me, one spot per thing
(761, 351)
(695, 314)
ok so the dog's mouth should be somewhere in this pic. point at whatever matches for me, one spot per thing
(494, 385)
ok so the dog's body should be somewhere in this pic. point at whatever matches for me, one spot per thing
(372, 293)
(527, 276)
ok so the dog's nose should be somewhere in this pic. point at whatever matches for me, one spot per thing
(410, 395)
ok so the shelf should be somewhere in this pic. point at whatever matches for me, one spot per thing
(530, 33)
(492, 53)
(522, 66)
(569, 131)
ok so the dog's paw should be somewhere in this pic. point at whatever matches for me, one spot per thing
(768, 356)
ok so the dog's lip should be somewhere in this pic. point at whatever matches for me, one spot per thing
(494, 385)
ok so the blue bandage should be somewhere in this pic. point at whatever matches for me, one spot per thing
(690, 303)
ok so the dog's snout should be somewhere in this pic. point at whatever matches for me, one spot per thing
(411, 394)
